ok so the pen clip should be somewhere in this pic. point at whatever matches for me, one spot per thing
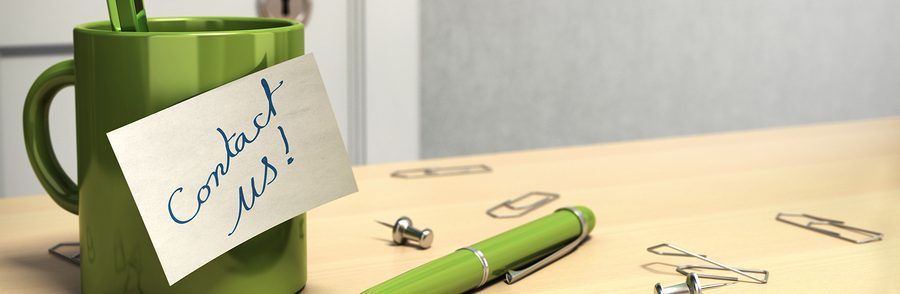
(513, 276)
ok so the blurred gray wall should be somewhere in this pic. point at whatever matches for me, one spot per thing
(518, 74)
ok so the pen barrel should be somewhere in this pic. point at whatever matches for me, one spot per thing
(462, 270)
(453, 273)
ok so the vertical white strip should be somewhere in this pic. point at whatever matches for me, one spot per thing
(326, 36)
(356, 71)
(392, 80)
(3, 192)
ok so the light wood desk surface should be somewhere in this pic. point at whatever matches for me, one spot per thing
(716, 194)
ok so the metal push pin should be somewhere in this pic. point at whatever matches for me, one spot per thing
(404, 230)
(690, 286)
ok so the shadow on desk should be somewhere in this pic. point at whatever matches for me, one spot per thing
(661, 268)
(60, 276)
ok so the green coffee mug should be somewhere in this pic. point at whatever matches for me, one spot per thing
(121, 77)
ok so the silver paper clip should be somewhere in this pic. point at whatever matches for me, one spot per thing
(742, 272)
(682, 269)
(513, 276)
(74, 258)
(524, 209)
(871, 236)
(441, 171)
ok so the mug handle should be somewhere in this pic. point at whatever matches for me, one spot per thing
(37, 134)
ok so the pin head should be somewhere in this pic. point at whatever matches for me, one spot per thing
(658, 289)
(691, 285)
(403, 223)
(427, 237)
(403, 231)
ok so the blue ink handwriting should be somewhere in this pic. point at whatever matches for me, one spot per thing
(234, 143)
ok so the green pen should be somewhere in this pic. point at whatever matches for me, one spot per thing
(513, 254)
(127, 15)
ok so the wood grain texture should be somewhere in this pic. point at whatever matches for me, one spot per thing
(714, 194)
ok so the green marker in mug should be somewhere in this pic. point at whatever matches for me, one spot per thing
(127, 15)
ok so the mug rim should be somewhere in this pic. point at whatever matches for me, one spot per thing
(278, 25)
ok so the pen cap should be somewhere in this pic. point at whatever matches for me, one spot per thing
(532, 241)
(588, 216)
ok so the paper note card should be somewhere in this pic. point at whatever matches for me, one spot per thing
(216, 170)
